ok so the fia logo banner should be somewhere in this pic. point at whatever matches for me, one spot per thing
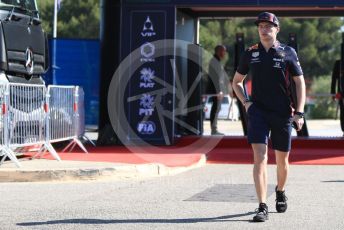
(146, 127)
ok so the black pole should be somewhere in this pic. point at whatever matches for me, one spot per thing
(238, 51)
(195, 118)
(293, 43)
(109, 61)
(341, 85)
(341, 79)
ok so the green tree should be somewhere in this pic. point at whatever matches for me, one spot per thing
(76, 18)
(322, 107)
(319, 39)
(319, 42)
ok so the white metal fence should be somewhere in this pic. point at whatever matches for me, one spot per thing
(4, 126)
(26, 115)
(2, 114)
(79, 121)
(36, 115)
(61, 111)
(80, 106)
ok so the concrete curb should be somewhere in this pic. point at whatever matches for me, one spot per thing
(125, 171)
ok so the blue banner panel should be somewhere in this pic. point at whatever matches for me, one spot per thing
(76, 62)
(143, 79)
(146, 98)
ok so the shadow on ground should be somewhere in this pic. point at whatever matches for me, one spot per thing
(143, 221)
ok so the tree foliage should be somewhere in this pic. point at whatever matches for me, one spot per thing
(322, 107)
(76, 18)
(319, 40)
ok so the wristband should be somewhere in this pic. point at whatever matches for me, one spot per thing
(246, 101)
(300, 114)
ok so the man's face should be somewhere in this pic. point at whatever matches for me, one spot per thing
(267, 31)
(222, 53)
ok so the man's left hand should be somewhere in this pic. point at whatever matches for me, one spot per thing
(220, 96)
(299, 122)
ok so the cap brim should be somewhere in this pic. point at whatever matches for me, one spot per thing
(263, 20)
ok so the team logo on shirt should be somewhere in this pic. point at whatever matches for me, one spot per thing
(278, 59)
(255, 54)
(280, 54)
(277, 65)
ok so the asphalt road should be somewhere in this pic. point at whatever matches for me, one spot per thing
(316, 128)
(212, 197)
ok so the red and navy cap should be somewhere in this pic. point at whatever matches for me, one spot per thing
(267, 17)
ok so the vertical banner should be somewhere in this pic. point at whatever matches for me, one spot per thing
(149, 88)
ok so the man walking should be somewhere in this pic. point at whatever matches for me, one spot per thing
(272, 66)
(216, 86)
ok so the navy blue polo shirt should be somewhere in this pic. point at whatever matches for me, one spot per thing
(271, 74)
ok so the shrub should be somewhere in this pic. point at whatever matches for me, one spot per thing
(323, 107)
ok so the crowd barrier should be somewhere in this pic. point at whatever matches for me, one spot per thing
(35, 115)
(79, 121)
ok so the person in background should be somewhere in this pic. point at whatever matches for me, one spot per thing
(216, 85)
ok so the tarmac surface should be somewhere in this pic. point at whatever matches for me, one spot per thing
(80, 166)
(316, 128)
(105, 195)
(211, 197)
(43, 170)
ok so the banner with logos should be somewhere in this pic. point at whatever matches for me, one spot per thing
(149, 100)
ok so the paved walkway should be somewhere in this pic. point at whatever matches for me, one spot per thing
(212, 197)
(41, 170)
(328, 128)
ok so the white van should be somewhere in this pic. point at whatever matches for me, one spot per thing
(229, 108)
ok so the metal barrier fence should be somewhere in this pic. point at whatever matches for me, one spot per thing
(61, 111)
(80, 106)
(79, 121)
(4, 122)
(36, 115)
(26, 115)
(2, 113)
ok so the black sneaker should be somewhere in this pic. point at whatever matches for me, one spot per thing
(262, 213)
(281, 201)
(216, 133)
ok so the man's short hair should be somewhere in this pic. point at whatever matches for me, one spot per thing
(219, 48)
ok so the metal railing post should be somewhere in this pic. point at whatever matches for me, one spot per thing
(6, 150)
(76, 117)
